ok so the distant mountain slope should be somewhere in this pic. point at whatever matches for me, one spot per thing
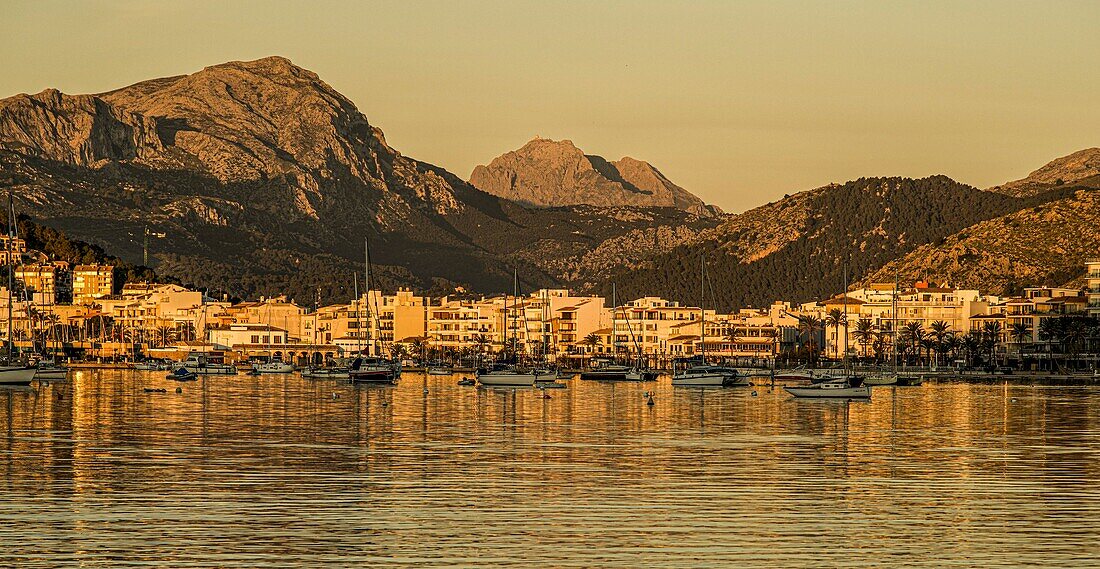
(796, 248)
(546, 173)
(1082, 169)
(1042, 245)
(265, 179)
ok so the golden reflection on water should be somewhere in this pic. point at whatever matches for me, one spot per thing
(280, 471)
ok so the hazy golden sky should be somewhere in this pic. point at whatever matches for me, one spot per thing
(739, 102)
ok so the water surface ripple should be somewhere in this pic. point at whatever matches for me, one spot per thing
(279, 471)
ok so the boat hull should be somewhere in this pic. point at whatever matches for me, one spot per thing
(52, 373)
(216, 370)
(376, 377)
(16, 375)
(701, 380)
(813, 392)
(508, 379)
(880, 380)
(593, 375)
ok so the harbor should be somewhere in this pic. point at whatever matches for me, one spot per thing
(276, 469)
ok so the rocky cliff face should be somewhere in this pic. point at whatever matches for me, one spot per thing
(549, 173)
(1046, 244)
(81, 130)
(1080, 169)
(264, 178)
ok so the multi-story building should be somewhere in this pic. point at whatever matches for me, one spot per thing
(92, 282)
(12, 250)
(1092, 285)
(40, 280)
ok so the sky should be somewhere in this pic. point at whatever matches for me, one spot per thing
(738, 102)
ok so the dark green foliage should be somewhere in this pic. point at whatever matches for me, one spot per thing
(864, 223)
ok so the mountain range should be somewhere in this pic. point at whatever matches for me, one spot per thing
(262, 179)
(547, 173)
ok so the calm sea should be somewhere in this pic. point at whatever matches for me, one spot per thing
(279, 471)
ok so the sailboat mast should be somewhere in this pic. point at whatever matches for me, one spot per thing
(894, 323)
(515, 314)
(11, 266)
(358, 316)
(367, 284)
(702, 310)
(844, 299)
(614, 319)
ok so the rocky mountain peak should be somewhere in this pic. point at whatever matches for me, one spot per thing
(1080, 168)
(550, 173)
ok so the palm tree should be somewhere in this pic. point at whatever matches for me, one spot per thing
(949, 345)
(1020, 333)
(911, 336)
(991, 336)
(938, 330)
(836, 318)
(592, 340)
(972, 343)
(811, 325)
(864, 333)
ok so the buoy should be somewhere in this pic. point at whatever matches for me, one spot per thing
(546, 396)
(1013, 399)
(384, 404)
(425, 390)
(754, 393)
(335, 395)
(179, 390)
(650, 402)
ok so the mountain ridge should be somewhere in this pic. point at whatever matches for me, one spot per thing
(547, 173)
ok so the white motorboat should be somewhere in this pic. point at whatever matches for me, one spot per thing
(881, 379)
(512, 377)
(148, 365)
(198, 364)
(16, 375)
(832, 389)
(438, 371)
(274, 366)
(708, 376)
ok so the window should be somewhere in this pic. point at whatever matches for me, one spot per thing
(255, 338)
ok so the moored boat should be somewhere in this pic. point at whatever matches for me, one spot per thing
(374, 370)
(199, 364)
(182, 374)
(880, 379)
(274, 366)
(703, 375)
(16, 375)
(606, 372)
(832, 389)
(48, 370)
(509, 377)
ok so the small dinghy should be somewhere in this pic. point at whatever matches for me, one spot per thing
(182, 374)
(466, 381)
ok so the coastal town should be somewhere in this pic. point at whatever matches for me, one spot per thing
(81, 314)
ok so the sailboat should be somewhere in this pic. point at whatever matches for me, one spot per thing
(13, 374)
(698, 372)
(512, 375)
(48, 369)
(371, 369)
(847, 386)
